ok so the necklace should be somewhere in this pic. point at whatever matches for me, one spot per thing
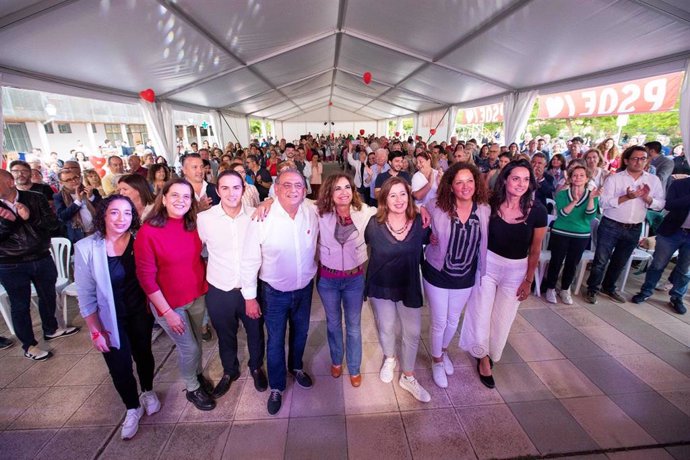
(399, 231)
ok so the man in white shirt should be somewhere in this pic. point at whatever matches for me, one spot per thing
(223, 230)
(624, 202)
(117, 168)
(282, 251)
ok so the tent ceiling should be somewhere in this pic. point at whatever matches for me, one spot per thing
(287, 60)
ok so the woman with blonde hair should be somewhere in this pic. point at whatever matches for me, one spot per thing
(610, 152)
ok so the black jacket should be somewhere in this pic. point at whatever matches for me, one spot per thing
(27, 240)
(678, 205)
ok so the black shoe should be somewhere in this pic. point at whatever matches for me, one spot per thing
(590, 297)
(260, 381)
(488, 381)
(615, 296)
(275, 400)
(223, 385)
(639, 298)
(206, 334)
(205, 384)
(201, 399)
(302, 378)
(491, 362)
(677, 304)
(5, 343)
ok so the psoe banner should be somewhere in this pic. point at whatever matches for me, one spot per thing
(654, 94)
(492, 113)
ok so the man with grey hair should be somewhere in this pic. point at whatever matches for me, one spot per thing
(377, 168)
(117, 168)
(281, 252)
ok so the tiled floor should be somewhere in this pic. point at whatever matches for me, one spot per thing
(591, 381)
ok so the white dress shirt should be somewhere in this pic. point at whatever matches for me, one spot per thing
(224, 238)
(281, 250)
(631, 211)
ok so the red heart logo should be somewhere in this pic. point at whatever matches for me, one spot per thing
(148, 95)
(432, 131)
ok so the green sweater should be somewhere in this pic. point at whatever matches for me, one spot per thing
(577, 223)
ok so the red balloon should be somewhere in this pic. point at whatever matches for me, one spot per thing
(432, 131)
(361, 131)
(397, 134)
(148, 95)
(366, 77)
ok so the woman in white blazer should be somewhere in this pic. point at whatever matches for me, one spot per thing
(115, 307)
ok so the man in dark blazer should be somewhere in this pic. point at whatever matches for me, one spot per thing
(672, 235)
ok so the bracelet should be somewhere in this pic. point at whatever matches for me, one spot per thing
(166, 311)
(97, 334)
(527, 280)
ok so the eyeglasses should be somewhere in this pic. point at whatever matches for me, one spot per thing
(71, 179)
(296, 186)
(20, 171)
(637, 159)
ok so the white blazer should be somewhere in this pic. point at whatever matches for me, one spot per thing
(94, 289)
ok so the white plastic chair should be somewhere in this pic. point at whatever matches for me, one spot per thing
(544, 259)
(638, 254)
(61, 250)
(587, 256)
(5, 309)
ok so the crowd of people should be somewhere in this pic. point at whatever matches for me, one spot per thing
(232, 235)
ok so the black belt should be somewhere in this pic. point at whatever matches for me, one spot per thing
(621, 224)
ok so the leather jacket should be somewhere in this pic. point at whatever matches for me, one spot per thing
(27, 240)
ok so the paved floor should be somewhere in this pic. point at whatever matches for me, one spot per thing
(593, 380)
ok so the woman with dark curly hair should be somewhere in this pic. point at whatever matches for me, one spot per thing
(173, 276)
(343, 254)
(452, 266)
(114, 306)
(516, 229)
(158, 175)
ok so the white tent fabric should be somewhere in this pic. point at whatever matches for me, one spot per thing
(516, 111)
(263, 60)
(161, 128)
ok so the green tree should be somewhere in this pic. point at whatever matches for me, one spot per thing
(254, 128)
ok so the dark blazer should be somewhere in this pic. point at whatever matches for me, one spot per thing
(66, 213)
(212, 193)
(678, 205)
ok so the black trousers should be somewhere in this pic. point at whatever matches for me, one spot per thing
(227, 309)
(135, 342)
(567, 252)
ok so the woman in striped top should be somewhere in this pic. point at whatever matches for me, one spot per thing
(577, 205)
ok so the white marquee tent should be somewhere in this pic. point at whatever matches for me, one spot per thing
(286, 60)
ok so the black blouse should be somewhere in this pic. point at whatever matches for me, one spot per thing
(393, 271)
(127, 293)
(513, 241)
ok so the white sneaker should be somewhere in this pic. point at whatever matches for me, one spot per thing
(551, 296)
(131, 424)
(565, 296)
(412, 385)
(386, 374)
(150, 403)
(36, 354)
(447, 363)
(439, 373)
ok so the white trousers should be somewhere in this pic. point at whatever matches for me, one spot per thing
(492, 307)
(387, 314)
(445, 306)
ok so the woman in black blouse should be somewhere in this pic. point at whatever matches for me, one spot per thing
(393, 283)
(516, 229)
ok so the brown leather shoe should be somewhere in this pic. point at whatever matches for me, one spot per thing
(356, 380)
(336, 371)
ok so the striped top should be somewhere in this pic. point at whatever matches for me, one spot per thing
(577, 223)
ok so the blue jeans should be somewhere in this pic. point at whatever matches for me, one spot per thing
(346, 295)
(280, 309)
(615, 245)
(17, 279)
(680, 276)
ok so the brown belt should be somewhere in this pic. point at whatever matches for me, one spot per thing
(342, 272)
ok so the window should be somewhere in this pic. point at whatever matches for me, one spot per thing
(93, 128)
(136, 134)
(203, 132)
(113, 132)
(49, 127)
(64, 128)
(16, 138)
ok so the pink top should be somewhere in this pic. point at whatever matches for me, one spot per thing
(169, 259)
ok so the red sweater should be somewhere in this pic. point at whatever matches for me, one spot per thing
(169, 259)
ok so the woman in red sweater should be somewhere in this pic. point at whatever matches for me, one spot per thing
(173, 276)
